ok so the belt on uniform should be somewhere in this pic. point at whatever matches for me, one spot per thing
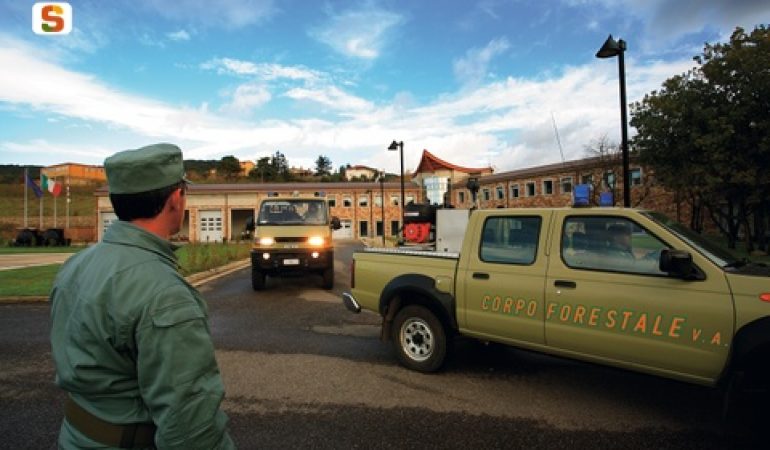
(113, 435)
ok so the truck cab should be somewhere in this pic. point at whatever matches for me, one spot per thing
(293, 234)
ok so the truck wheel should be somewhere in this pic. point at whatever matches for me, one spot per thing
(257, 279)
(420, 339)
(328, 276)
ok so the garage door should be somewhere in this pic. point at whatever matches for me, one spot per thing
(345, 232)
(211, 226)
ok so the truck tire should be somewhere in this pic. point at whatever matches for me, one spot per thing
(258, 279)
(419, 338)
(328, 278)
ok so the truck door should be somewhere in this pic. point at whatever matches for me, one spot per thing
(606, 298)
(502, 291)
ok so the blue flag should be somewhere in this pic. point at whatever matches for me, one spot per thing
(35, 187)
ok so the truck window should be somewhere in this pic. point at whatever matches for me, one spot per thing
(608, 243)
(293, 212)
(510, 240)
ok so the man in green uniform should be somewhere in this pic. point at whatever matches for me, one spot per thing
(130, 337)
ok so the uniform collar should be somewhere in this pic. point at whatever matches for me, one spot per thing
(126, 233)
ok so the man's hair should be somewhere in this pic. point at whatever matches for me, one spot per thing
(143, 205)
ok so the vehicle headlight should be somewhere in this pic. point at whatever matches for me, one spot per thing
(316, 241)
(266, 241)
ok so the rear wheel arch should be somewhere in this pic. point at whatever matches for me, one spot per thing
(416, 289)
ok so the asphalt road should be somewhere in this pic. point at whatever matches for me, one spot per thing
(302, 372)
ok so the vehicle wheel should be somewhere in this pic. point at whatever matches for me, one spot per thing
(328, 278)
(420, 339)
(258, 279)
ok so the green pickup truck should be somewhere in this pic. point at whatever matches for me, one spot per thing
(614, 286)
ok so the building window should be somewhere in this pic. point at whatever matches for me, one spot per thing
(332, 201)
(587, 179)
(636, 177)
(435, 188)
(547, 187)
(394, 200)
(363, 228)
(461, 197)
(530, 189)
(379, 230)
(514, 191)
(394, 227)
(566, 185)
(409, 199)
(347, 202)
(486, 194)
(500, 193)
(378, 200)
(363, 201)
(609, 179)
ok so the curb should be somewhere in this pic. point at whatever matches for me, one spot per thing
(196, 280)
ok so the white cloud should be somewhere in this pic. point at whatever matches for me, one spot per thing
(473, 68)
(43, 150)
(359, 34)
(247, 97)
(264, 71)
(331, 97)
(180, 35)
(667, 20)
(506, 123)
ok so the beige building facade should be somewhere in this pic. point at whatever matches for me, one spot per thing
(218, 212)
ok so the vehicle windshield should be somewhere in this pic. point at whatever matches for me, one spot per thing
(716, 254)
(293, 212)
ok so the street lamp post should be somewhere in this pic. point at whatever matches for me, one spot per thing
(617, 48)
(382, 205)
(400, 146)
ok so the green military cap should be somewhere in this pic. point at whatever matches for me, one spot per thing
(144, 169)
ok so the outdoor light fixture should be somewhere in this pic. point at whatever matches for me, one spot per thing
(400, 146)
(610, 49)
(382, 204)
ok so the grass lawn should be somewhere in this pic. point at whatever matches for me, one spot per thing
(37, 281)
(28, 250)
(30, 281)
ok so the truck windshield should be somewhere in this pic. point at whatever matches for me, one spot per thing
(716, 254)
(293, 212)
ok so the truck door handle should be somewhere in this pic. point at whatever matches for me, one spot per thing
(565, 284)
(480, 276)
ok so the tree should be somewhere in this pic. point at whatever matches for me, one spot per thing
(280, 166)
(323, 166)
(271, 169)
(229, 167)
(706, 134)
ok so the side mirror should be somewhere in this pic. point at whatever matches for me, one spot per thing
(677, 263)
(336, 225)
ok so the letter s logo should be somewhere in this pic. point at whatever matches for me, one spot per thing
(52, 18)
(51, 13)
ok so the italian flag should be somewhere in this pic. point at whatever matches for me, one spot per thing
(54, 187)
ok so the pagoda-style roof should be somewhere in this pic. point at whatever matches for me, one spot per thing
(431, 163)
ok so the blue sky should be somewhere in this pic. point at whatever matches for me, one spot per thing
(475, 82)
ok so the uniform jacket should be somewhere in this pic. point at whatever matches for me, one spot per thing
(131, 342)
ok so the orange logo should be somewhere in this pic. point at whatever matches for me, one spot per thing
(52, 18)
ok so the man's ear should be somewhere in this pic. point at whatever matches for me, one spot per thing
(174, 201)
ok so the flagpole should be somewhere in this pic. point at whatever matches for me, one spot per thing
(41, 211)
(26, 175)
(68, 201)
(55, 197)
